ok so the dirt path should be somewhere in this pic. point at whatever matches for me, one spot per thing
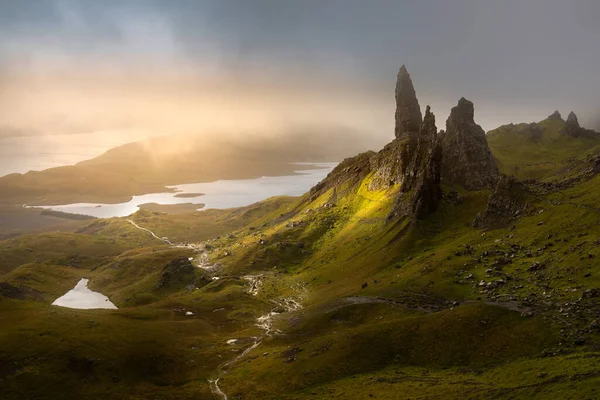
(264, 322)
(163, 239)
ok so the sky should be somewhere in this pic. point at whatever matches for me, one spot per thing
(254, 66)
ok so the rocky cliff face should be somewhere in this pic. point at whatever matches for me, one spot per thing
(555, 116)
(509, 201)
(421, 192)
(572, 127)
(467, 159)
(420, 157)
(408, 111)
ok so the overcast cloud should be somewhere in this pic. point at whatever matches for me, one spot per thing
(518, 60)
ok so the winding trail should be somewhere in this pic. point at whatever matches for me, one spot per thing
(264, 322)
(163, 239)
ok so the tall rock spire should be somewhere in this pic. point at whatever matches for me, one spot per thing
(467, 159)
(408, 112)
(572, 125)
(420, 192)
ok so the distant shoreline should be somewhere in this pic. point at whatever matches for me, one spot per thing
(50, 193)
(181, 208)
(188, 195)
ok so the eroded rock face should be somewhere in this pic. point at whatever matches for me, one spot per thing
(389, 165)
(408, 111)
(180, 270)
(421, 192)
(467, 159)
(555, 116)
(572, 127)
(508, 202)
(21, 293)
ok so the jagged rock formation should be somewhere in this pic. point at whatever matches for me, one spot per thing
(353, 169)
(467, 159)
(389, 164)
(508, 202)
(555, 116)
(408, 111)
(572, 127)
(421, 192)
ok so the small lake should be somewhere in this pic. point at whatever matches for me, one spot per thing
(218, 194)
(82, 297)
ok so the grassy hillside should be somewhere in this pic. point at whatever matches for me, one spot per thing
(360, 306)
(538, 150)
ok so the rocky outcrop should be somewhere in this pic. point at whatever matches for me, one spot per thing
(20, 293)
(572, 127)
(351, 171)
(389, 164)
(467, 159)
(408, 111)
(509, 201)
(421, 192)
(555, 116)
(180, 271)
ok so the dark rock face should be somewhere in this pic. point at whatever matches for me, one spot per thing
(408, 111)
(389, 165)
(555, 116)
(467, 159)
(180, 270)
(572, 127)
(353, 170)
(508, 202)
(421, 192)
(20, 293)
(534, 132)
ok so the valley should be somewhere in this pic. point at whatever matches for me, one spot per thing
(448, 265)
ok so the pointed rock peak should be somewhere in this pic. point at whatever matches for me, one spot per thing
(408, 111)
(464, 111)
(467, 159)
(572, 127)
(555, 116)
(572, 120)
(428, 127)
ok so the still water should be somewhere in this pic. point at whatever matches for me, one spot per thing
(218, 194)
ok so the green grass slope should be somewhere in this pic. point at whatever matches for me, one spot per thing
(538, 150)
(390, 309)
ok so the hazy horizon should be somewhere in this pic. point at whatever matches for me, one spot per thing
(206, 66)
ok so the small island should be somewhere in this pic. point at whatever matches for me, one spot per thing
(188, 195)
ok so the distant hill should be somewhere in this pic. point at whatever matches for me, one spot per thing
(148, 166)
(538, 150)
